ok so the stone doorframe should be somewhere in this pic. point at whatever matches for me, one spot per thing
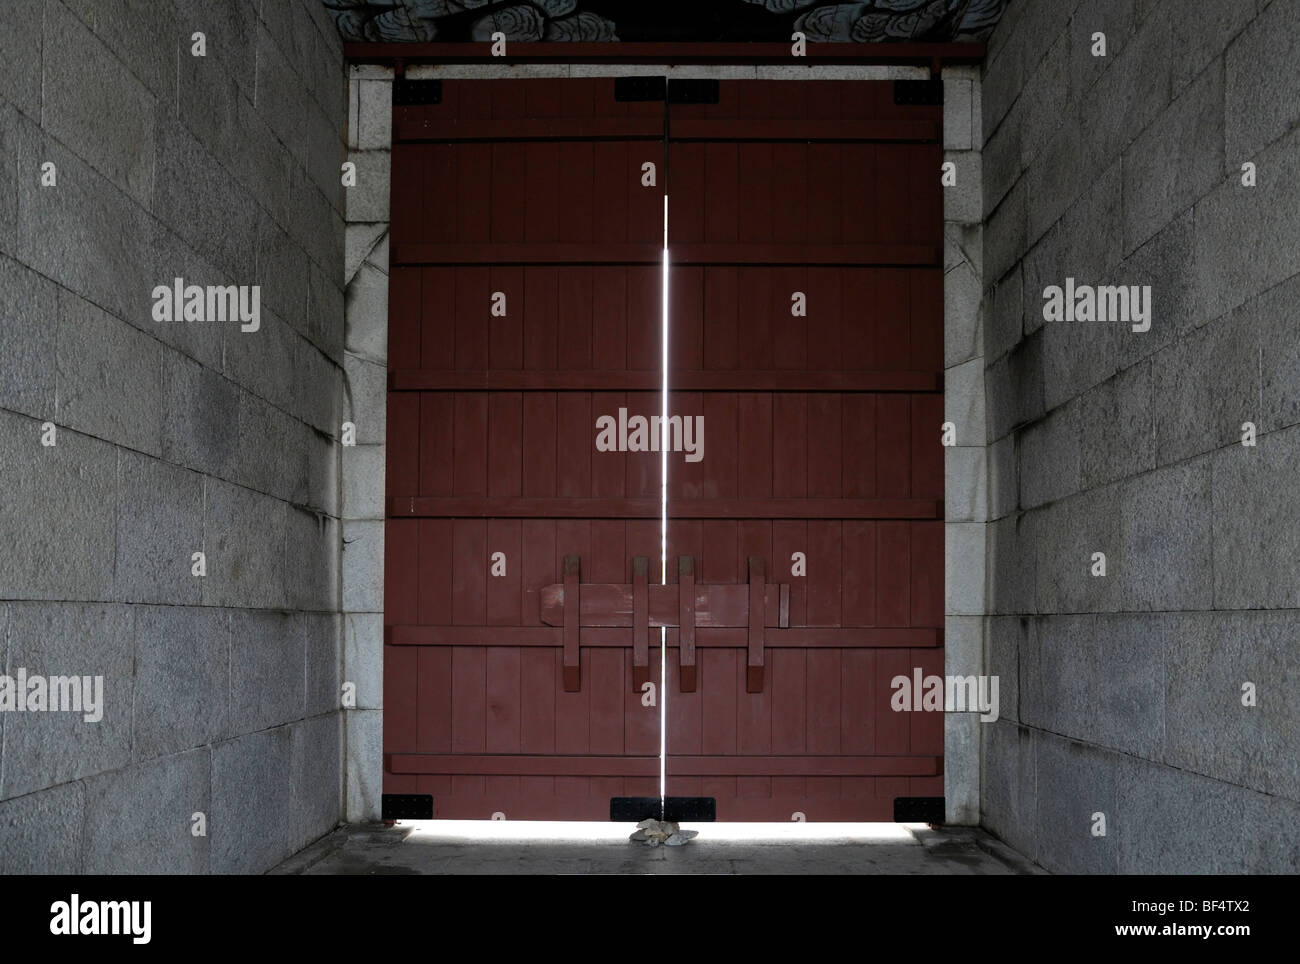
(966, 489)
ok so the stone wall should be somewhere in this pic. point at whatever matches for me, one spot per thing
(221, 691)
(1122, 694)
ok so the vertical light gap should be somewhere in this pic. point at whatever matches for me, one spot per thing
(664, 436)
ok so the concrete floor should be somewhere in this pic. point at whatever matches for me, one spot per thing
(483, 847)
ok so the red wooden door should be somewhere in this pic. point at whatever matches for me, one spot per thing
(805, 232)
(524, 306)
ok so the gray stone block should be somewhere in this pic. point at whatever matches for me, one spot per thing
(322, 473)
(1279, 356)
(316, 781)
(90, 100)
(1049, 452)
(1167, 553)
(1014, 386)
(40, 833)
(962, 244)
(1256, 519)
(368, 200)
(1175, 161)
(189, 179)
(359, 240)
(159, 527)
(251, 820)
(311, 549)
(1114, 18)
(1058, 176)
(170, 257)
(43, 749)
(1071, 532)
(963, 337)
(1008, 802)
(109, 377)
(325, 152)
(1248, 239)
(363, 657)
(272, 454)
(1074, 781)
(183, 680)
(231, 30)
(1003, 483)
(28, 303)
(963, 401)
(20, 55)
(375, 111)
(963, 202)
(1051, 101)
(200, 417)
(85, 234)
(1012, 563)
(244, 533)
(961, 770)
(1078, 355)
(11, 146)
(1270, 834)
(1000, 165)
(957, 114)
(263, 166)
(365, 398)
(209, 104)
(1117, 428)
(281, 98)
(363, 480)
(54, 516)
(140, 820)
(1166, 262)
(1098, 679)
(1262, 96)
(1207, 729)
(964, 576)
(1003, 314)
(318, 387)
(364, 764)
(1205, 386)
(317, 225)
(325, 309)
(1132, 89)
(267, 678)
(144, 36)
(1006, 639)
(282, 271)
(363, 567)
(1173, 822)
(367, 313)
(263, 362)
(321, 648)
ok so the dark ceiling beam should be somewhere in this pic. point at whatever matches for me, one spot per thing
(932, 55)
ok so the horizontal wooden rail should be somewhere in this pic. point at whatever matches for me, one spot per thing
(518, 764)
(477, 507)
(610, 637)
(735, 380)
(681, 253)
(930, 55)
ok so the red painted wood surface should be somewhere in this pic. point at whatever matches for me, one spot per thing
(821, 438)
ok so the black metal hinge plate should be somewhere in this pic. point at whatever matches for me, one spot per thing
(407, 806)
(674, 91)
(414, 93)
(918, 809)
(919, 93)
(676, 809)
(640, 88)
